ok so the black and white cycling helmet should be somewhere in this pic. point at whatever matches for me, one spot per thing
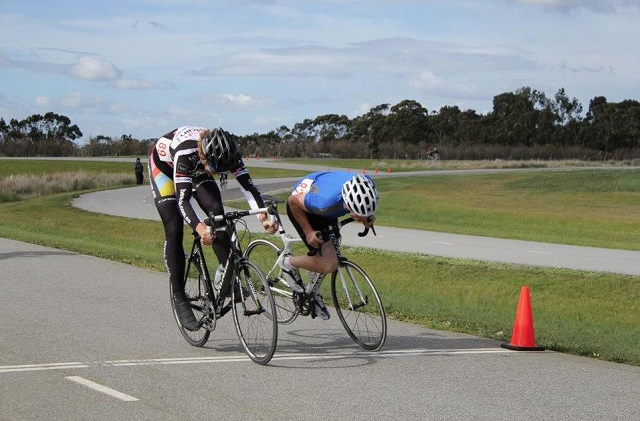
(220, 150)
(360, 195)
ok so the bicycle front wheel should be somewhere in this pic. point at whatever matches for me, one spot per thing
(359, 306)
(254, 313)
(264, 253)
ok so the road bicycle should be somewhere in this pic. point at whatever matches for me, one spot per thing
(243, 289)
(354, 296)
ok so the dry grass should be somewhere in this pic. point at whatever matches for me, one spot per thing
(24, 186)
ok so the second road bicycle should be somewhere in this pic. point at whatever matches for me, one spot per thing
(355, 298)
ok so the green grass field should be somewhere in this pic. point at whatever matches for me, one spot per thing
(584, 313)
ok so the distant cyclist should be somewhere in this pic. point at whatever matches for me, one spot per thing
(181, 166)
(316, 203)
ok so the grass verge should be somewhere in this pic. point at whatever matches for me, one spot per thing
(584, 313)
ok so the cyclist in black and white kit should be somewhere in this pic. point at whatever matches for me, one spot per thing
(181, 166)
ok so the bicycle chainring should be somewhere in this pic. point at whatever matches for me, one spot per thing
(208, 319)
(302, 303)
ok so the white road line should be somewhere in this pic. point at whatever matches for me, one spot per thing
(244, 358)
(39, 367)
(444, 242)
(102, 389)
(538, 252)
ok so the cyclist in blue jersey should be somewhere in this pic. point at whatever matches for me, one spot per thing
(316, 203)
(181, 166)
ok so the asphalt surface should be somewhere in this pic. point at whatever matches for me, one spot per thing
(83, 338)
(136, 202)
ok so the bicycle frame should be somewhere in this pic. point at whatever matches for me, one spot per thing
(355, 298)
(252, 305)
(287, 249)
(236, 258)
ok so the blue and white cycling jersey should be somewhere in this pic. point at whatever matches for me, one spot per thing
(323, 192)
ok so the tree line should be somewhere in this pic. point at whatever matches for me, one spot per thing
(524, 124)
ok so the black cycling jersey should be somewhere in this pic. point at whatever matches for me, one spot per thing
(176, 176)
(176, 169)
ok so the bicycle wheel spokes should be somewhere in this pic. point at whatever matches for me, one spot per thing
(195, 290)
(264, 254)
(254, 314)
(359, 306)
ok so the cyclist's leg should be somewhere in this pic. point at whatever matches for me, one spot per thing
(324, 262)
(165, 201)
(208, 196)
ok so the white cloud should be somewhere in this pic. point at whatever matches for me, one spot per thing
(128, 84)
(239, 99)
(425, 80)
(79, 100)
(94, 68)
(43, 101)
(603, 6)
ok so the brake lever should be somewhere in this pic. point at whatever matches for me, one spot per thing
(365, 232)
(366, 229)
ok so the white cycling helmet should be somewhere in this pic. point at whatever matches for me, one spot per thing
(360, 196)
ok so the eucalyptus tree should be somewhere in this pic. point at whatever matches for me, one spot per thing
(407, 122)
(569, 117)
(41, 135)
(613, 126)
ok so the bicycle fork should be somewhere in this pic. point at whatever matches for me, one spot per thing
(364, 300)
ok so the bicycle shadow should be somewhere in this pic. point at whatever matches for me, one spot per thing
(318, 344)
(329, 343)
(324, 341)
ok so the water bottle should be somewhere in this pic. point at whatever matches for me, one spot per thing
(217, 278)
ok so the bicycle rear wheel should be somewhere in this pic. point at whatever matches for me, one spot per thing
(254, 313)
(195, 288)
(359, 306)
(263, 253)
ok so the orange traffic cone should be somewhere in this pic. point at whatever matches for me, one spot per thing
(522, 338)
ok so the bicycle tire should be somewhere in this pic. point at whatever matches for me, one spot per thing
(254, 313)
(358, 305)
(195, 289)
(263, 253)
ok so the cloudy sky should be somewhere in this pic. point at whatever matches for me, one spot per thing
(143, 67)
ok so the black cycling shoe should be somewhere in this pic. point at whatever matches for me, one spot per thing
(185, 315)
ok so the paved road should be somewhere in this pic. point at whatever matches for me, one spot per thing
(136, 202)
(83, 338)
